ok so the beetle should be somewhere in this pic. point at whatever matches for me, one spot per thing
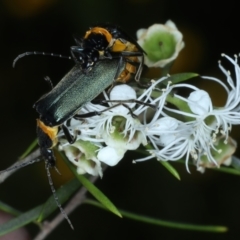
(116, 62)
(66, 98)
(62, 103)
(108, 41)
(100, 42)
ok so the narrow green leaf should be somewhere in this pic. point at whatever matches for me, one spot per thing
(29, 149)
(93, 190)
(229, 170)
(163, 223)
(167, 165)
(7, 208)
(176, 225)
(99, 195)
(63, 194)
(20, 221)
(236, 163)
(171, 169)
(40, 213)
(226, 170)
(180, 77)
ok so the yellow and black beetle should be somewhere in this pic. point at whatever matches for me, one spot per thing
(106, 41)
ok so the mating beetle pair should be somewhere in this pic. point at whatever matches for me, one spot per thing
(105, 55)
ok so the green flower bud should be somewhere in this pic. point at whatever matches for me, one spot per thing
(162, 43)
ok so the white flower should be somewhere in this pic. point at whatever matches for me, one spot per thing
(164, 127)
(83, 154)
(222, 157)
(123, 92)
(203, 133)
(171, 142)
(189, 128)
(229, 114)
(199, 102)
(110, 156)
(105, 138)
(117, 127)
(162, 43)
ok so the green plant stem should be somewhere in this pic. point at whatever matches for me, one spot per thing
(163, 223)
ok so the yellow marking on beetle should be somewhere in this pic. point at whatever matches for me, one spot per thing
(99, 30)
(118, 46)
(51, 132)
(130, 68)
(124, 76)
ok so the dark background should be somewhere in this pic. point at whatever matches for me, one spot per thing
(145, 188)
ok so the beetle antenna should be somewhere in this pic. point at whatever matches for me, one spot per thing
(56, 169)
(21, 165)
(39, 53)
(49, 81)
(55, 195)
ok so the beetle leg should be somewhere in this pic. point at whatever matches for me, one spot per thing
(139, 70)
(74, 50)
(108, 55)
(87, 115)
(119, 103)
(116, 74)
(126, 55)
(70, 138)
(140, 67)
(78, 40)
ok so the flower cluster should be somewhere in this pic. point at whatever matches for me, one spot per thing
(172, 127)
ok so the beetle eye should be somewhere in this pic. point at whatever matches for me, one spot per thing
(83, 58)
(95, 56)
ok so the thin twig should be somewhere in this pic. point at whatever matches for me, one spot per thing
(5, 173)
(77, 200)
